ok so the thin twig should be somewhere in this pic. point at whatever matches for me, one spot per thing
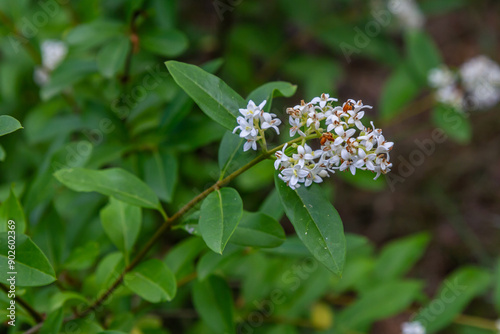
(168, 223)
(31, 311)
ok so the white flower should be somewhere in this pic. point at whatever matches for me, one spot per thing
(334, 122)
(316, 174)
(300, 156)
(356, 120)
(281, 157)
(383, 163)
(413, 328)
(352, 164)
(451, 95)
(376, 132)
(480, 77)
(246, 126)
(269, 122)
(323, 100)
(295, 126)
(441, 77)
(367, 159)
(41, 76)
(53, 53)
(341, 150)
(252, 109)
(383, 146)
(314, 118)
(408, 13)
(343, 135)
(294, 174)
(250, 143)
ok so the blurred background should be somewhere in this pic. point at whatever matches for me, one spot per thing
(67, 65)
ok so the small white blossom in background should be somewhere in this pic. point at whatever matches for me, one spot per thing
(407, 12)
(254, 122)
(475, 86)
(53, 53)
(480, 78)
(412, 328)
(441, 76)
(497, 324)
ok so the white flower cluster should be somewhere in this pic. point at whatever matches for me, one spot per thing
(408, 13)
(253, 123)
(413, 328)
(53, 53)
(340, 149)
(475, 86)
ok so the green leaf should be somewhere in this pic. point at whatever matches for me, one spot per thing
(269, 90)
(272, 205)
(398, 257)
(423, 54)
(168, 43)
(111, 58)
(258, 230)
(2, 153)
(453, 296)
(82, 257)
(161, 174)
(215, 98)
(11, 209)
(496, 292)
(85, 325)
(184, 253)
(165, 13)
(65, 75)
(257, 177)
(114, 182)
(356, 270)
(213, 301)
(59, 299)
(389, 297)
(153, 281)
(8, 124)
(122, 223)
(92, 34)
(292, 246)
(305, 291)
(49, 235)
(109, 269)
(397, 92)
(181, 105)
(454, 123)
(316, 223)
(220, 213)
(31, 265)
(317, 74)
(211, 261)
(53, 322)
(231, 155)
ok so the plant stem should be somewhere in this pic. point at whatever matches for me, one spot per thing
(182, 212)
(168, 223)
(31, 311)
